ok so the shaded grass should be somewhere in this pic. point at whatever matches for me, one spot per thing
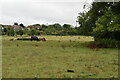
(52, 59)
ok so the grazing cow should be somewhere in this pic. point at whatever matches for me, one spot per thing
(42, 39)
(34, 38)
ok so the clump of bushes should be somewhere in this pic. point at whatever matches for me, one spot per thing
(104, 43)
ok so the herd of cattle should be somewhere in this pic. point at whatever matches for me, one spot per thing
(33, 38)
(37, 39)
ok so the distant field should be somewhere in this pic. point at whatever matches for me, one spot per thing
(52, 59)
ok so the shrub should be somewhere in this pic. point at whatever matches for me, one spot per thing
(104, 43)
(20, 32)
(10, 32)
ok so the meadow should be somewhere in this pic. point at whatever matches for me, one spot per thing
(52, 59)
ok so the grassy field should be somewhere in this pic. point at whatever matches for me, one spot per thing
(52, 59)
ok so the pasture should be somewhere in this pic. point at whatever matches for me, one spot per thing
(52, 59)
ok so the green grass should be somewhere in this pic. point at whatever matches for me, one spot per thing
(52, 59)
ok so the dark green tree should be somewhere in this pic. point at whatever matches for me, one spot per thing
(108, 25)
(22, 25)
(102, 20)
(15, 23)
(20, 32)
(33, 32)
(57, 26)
(67, 26)
(10, 32)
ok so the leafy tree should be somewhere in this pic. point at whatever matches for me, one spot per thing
(4, 31)
(50, 30)
(103, 19)
(87, 20)
(36, 24)
(22, 25)
(67, 26)
(44, 26)
(57, 26)
(38, 32)
(108, 26)
(33, 32)
(10, 32)
(73, 31)
(20, 32)
(15, 23)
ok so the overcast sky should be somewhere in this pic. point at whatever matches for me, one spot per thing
(40, 11)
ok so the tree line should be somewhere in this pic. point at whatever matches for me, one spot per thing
(37, 29)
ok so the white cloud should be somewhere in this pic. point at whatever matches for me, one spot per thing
(46, 0)
(30, 12)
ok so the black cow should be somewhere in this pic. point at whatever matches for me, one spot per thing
(34, 38)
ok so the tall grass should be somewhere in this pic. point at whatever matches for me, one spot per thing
(52, 59)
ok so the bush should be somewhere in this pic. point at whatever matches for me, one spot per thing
(34, 32)
(20, 32)
(10, 32)
(104, 43)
